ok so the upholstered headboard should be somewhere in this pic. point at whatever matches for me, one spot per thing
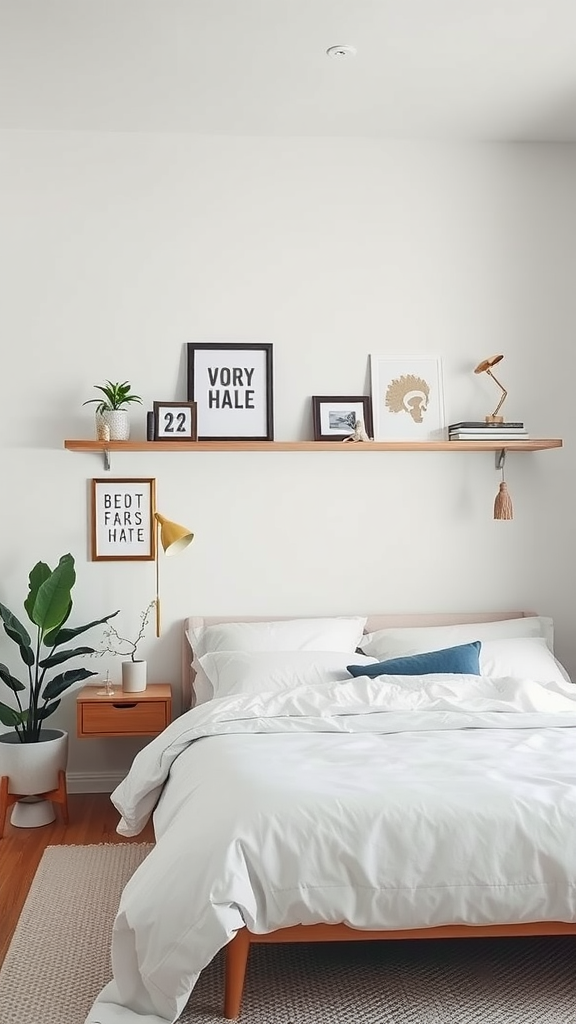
(374, 622)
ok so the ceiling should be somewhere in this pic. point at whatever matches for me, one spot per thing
(440, 69)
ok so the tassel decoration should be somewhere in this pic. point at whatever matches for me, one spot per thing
(503, 503)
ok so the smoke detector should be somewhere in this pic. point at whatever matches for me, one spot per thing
(341, 52)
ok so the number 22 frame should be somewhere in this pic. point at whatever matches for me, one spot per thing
(175, 421)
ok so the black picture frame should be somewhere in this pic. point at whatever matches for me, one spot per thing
(232, 386)
(334, 417)
(175, 421)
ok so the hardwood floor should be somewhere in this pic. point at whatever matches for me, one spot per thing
(93, 819)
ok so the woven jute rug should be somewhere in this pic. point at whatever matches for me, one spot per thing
(59, 960)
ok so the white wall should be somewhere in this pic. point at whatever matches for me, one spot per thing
(116, 250)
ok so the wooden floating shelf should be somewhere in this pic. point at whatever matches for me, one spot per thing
(536, 445)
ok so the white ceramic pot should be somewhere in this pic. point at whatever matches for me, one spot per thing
(33, 768)
(134, 676)
(117, 421)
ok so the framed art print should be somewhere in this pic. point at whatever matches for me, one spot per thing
(334, 419)
(233, 390)
(407, 398)
(175, 421)
(122, 516)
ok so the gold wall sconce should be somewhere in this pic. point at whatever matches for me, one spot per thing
(173, 539)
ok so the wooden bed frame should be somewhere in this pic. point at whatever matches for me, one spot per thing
(238, 949)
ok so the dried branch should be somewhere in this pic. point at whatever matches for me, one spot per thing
(112, 641)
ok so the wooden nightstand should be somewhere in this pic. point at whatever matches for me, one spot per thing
(124, 714)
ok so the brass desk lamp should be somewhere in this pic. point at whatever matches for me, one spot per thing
(486, 367)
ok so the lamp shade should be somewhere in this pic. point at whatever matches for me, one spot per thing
(487, 364)
(173, 537)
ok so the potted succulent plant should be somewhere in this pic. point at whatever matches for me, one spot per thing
(111, 413)
(31, 755)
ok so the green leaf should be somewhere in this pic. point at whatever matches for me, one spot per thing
(18, 633)
(10, 717)
(64, 636)
(39, 574)
(43, 713)
(54, 632)
(62, 682)
(52, 603)
(100, 405)
(117, 395)
(60, 656)
(10, 680)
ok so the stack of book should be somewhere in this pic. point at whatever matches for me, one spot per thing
(479, 430)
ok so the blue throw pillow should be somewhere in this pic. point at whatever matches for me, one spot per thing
(462, 660)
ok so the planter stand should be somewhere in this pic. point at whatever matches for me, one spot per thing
(31, 812)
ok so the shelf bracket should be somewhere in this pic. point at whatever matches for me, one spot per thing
(500, 458)
(106, 454)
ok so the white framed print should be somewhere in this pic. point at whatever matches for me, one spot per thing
(231, 384)
(174, 421)
(123, 525)
(407, 398)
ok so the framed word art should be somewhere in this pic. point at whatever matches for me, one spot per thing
(232, 387)
(123, 524)
(175, 421)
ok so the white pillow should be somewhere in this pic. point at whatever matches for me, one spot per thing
(342, 633)
(525, 658)
(402, 641)
(338, 634)
(234, 672)
(202, 687)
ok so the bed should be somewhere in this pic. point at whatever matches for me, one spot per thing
(316, 795)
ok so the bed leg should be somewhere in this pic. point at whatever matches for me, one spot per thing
(237, 952)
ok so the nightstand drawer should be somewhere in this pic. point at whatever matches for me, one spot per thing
(144, 713)
(124, 719)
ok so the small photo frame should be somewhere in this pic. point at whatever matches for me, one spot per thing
(122, 520)
(231, 384)
(335, 418)
(407, 398)
(175, 421)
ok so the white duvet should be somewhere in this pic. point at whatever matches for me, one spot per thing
(383, 803)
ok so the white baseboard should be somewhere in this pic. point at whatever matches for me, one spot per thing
(93, 782)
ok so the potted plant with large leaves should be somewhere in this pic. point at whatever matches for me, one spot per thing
(111, 411)
(31, 756)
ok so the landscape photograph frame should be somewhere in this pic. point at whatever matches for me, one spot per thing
(334, 418)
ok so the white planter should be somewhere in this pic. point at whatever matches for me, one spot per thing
(134, 676)
(117, 421)
(33, 768)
